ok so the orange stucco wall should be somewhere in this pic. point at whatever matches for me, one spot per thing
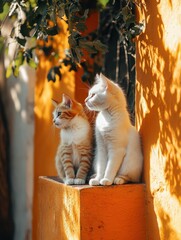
(90, 213)
(158, 107)
(46, 136)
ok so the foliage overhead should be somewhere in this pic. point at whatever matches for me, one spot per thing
(39, 19)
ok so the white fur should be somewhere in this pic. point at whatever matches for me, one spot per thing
(118, 154)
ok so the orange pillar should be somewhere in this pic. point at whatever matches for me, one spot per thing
(158, 115)
(91, 213)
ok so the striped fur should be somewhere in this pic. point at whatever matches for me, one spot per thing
(74, 154)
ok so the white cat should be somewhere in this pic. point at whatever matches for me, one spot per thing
(118, 156)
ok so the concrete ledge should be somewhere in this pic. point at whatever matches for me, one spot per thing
(90, 213)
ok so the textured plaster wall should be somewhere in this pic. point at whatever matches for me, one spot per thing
(158, 97)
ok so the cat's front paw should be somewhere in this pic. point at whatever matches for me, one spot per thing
(79, 181)
(69, 181)
(94, 182)
(119, 181)
(105, 182)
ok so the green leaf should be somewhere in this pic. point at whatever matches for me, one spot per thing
(16, 71)
(9, 71)
(32, 63)
(4, 8)
(33, 3)
(19, 59)
(103, 2)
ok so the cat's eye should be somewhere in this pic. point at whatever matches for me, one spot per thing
(92, 95)
(58, 114)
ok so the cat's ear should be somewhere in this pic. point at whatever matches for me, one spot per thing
(103, 80)
(97, 77)
(55, 103)
(67, 101)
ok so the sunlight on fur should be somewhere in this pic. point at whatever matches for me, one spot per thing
(74, 154)
(118, 157)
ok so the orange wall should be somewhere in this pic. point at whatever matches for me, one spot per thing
(46, 136)
(158, 107)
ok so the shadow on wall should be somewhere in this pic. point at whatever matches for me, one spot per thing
(167, 232)
(159, 94)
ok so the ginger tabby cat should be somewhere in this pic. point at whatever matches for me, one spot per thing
(74, 154)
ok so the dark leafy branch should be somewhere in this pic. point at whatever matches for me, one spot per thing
(39, 19)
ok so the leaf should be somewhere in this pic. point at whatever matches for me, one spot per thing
(61, 12)
(100, 46)
(88, 46)
(53, 72)
(51, 75)
(130, 20)
(32, 63)
(76, 54)
(15, 71)
(81, 27)
(103, 2)
(85, 16)
(4, 10)
(53, 31)
(21, 41)
(19, 59)
(72, 41)
(74, 8)
(25, 29)
(9, 71)
(125, 12)
(28, 54)
(33, 3)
